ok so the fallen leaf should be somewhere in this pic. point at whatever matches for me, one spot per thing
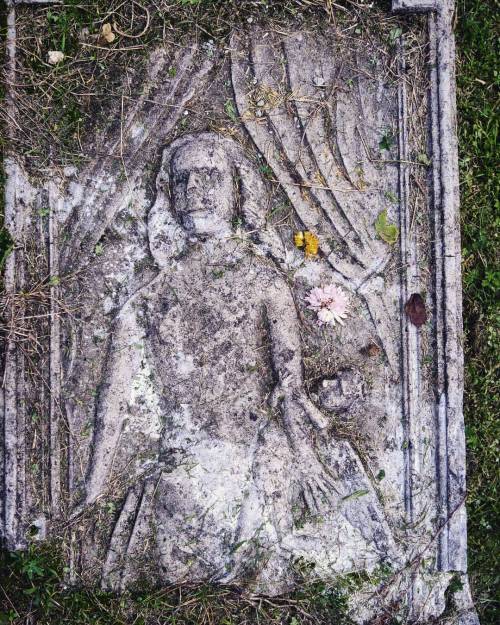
(387, 141)
(231, 111)
(372, 349)
(395, 34)
(416, 310)
(386, 231)
(55, 57)
(424, 159)
(107, 33)
(357, 493)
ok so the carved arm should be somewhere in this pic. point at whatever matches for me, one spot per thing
(287, 360)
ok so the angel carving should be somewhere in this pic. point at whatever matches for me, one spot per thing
(218, 332)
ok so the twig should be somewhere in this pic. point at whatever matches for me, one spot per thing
(145, 29)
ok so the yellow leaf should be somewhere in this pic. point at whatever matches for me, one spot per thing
(312, 243)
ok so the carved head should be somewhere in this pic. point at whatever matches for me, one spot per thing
(205, 180)
(201, 187)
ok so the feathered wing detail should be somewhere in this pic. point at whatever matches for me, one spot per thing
(305, 130)
(129, 149)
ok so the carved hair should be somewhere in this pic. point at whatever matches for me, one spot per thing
(167, 238)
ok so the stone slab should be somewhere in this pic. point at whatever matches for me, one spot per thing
(217, 404)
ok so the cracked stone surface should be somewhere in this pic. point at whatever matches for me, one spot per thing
(202, 425)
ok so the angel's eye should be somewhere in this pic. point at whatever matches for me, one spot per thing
(181, 179)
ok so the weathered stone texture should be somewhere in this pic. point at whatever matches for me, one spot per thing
(203, 425)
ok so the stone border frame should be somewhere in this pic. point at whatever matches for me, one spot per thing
(450, 469)
(13, 392)
(451, 536)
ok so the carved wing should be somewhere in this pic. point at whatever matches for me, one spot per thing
(317, 134)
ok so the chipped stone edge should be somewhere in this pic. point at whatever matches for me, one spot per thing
(450, 464)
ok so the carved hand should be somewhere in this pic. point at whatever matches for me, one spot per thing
(314, 480)
(297, 408)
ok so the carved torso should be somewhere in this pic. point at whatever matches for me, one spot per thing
(205, 333)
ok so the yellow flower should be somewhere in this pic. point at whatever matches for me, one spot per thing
(298, 239)
(307, 240)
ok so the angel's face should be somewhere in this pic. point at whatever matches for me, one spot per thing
(202, 190)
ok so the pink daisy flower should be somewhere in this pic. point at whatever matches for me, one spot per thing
(330, 304)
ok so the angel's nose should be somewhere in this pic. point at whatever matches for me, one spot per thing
(193, 182)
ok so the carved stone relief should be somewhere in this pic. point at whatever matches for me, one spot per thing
(224, 406)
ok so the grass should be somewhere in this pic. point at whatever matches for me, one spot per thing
(33, 592)
(478, 77)
(31, 586)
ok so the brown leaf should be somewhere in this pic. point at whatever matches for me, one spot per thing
(415, 309)
(372, 350)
